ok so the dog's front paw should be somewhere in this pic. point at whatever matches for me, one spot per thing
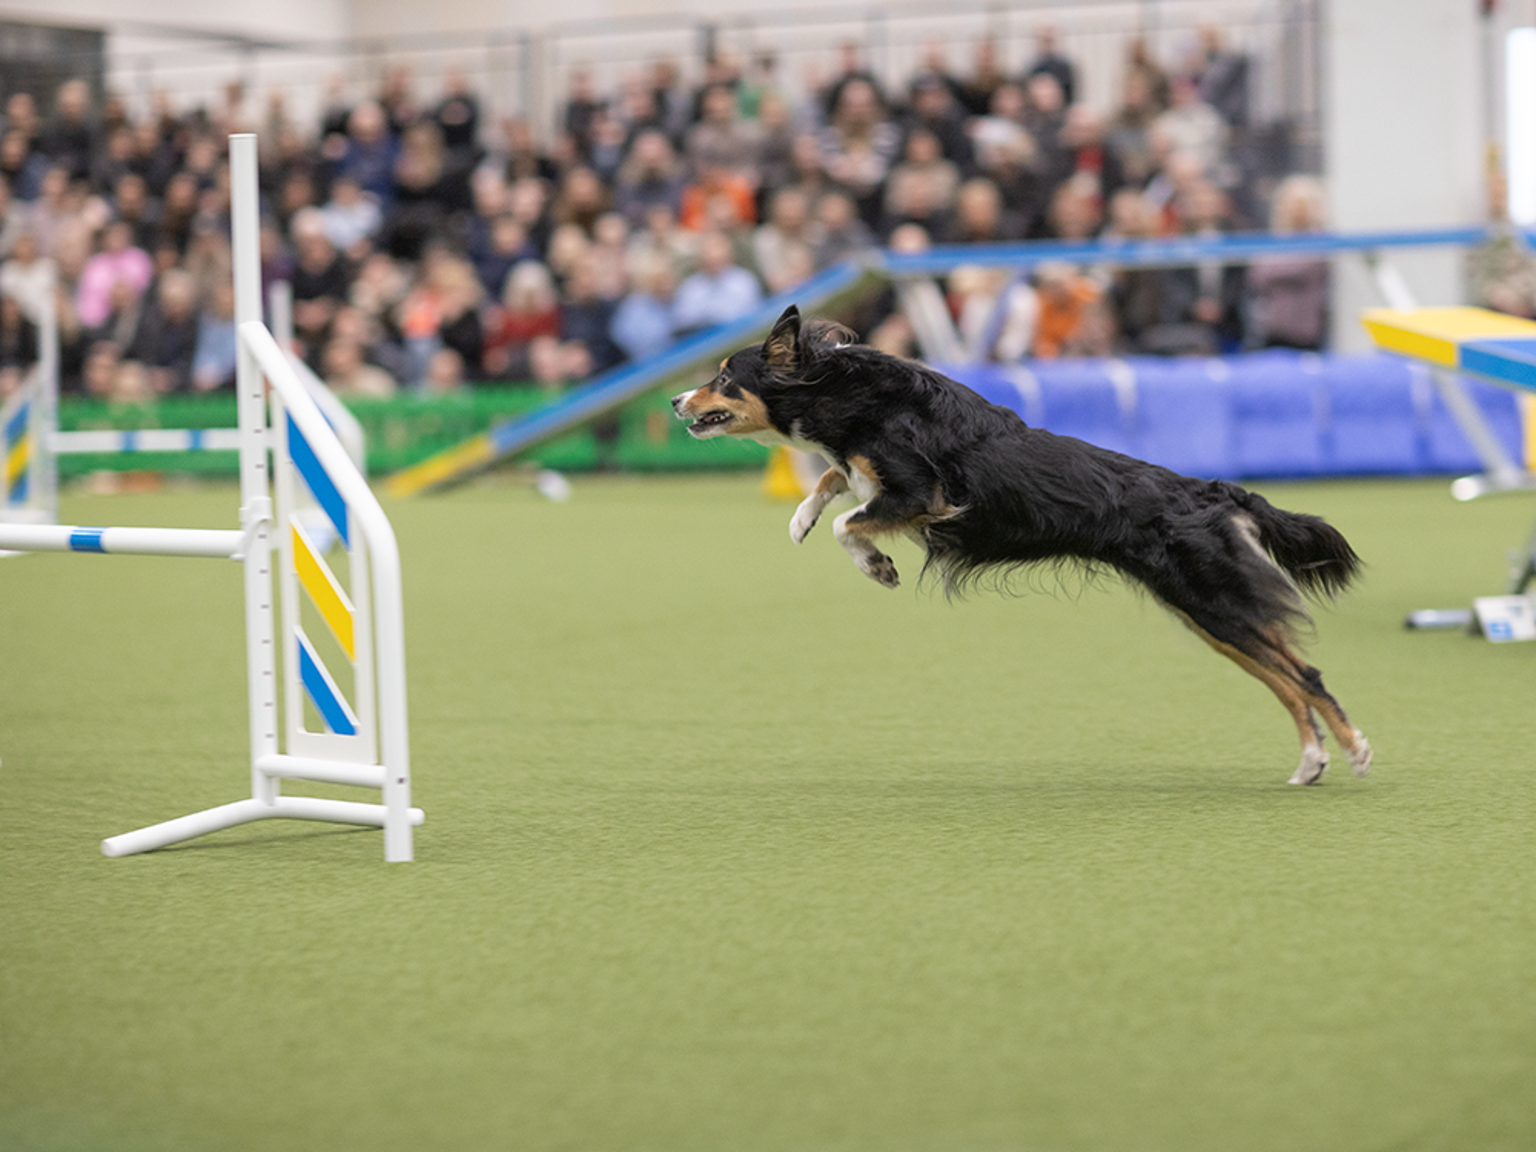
(803, 521)
(881, 569)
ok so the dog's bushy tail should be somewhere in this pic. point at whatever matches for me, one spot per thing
(1313, 552)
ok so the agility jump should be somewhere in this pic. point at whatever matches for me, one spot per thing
(350, 731)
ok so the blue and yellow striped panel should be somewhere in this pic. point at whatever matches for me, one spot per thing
(318, 480)
(17, 457)
(325, 592)
(322, 691)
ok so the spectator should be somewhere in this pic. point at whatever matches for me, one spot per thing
(1193, 127)
(69, 139)
(25, 276)
(979, 216)
(722, 140)
(586, 318)
(18, 345)
(505, 243)
(784, 248)
(132, 205)
(1222, 77)
(351, 218)
(932, 108)
(22, 168)
(975, 92)
(366, 154)
(430, 185)
(719, 292)
(322, 280)
(642, 323)
(720, 196)
(859, 146)
(457, 117)
(347, 373)
(215, 353)
(441, 310)
(529, 309)
(165, 340)
(582, 199)
(1290, 293)
(662, 235)
(1127, 137)
(650, 175)
(118, 262)
(1065, 297)
(1049, 61)
(921, 188)
(1202, 305)
(1135, 294)
(13, 218)
(842, 233)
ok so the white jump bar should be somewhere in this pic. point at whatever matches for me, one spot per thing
(325, 771)
(147, 440)
(219, 543)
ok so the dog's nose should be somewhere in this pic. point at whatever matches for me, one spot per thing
(679, 400)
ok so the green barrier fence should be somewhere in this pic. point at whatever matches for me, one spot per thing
(643, 436)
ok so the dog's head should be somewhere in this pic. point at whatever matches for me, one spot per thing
(738, 401)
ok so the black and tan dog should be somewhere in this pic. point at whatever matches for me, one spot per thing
(984, 493)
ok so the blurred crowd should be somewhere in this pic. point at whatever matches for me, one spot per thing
(428, 250)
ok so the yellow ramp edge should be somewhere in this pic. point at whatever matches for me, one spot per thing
(1436, 334)
(444, 466)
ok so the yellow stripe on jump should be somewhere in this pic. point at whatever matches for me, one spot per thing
(446, 465)
(1436, 334)
(327, 595)
(16, 463)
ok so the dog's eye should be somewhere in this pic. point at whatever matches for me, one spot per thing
(729, 389)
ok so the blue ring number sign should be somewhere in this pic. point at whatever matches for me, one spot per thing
(1506, 618)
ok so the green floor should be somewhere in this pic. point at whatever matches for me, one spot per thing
(728, 848)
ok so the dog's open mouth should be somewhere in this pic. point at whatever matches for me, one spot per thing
(714, 418)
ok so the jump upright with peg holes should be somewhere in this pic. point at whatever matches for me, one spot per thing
(302, 621)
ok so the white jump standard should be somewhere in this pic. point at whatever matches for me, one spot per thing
(353, 731)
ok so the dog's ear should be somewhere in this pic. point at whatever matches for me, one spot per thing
(781, 350)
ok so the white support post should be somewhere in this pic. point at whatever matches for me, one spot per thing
(255, 489)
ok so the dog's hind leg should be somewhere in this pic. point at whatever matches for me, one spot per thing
(1283, 683)
(1310, 682)
(831, 485)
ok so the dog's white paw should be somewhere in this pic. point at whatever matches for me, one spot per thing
(1360, 755)
(1314, 762)
(880, 568)
(802, 522)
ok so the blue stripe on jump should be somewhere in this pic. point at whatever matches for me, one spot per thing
(130, 442)
(329, 705)
(318, 480)
(194, 439)
(17, 424)
(20, 490)
(86, 540)
(1509, 361)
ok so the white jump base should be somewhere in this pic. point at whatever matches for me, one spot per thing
(248, 812)
(302, 497)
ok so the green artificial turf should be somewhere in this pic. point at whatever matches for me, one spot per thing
(729, 848)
